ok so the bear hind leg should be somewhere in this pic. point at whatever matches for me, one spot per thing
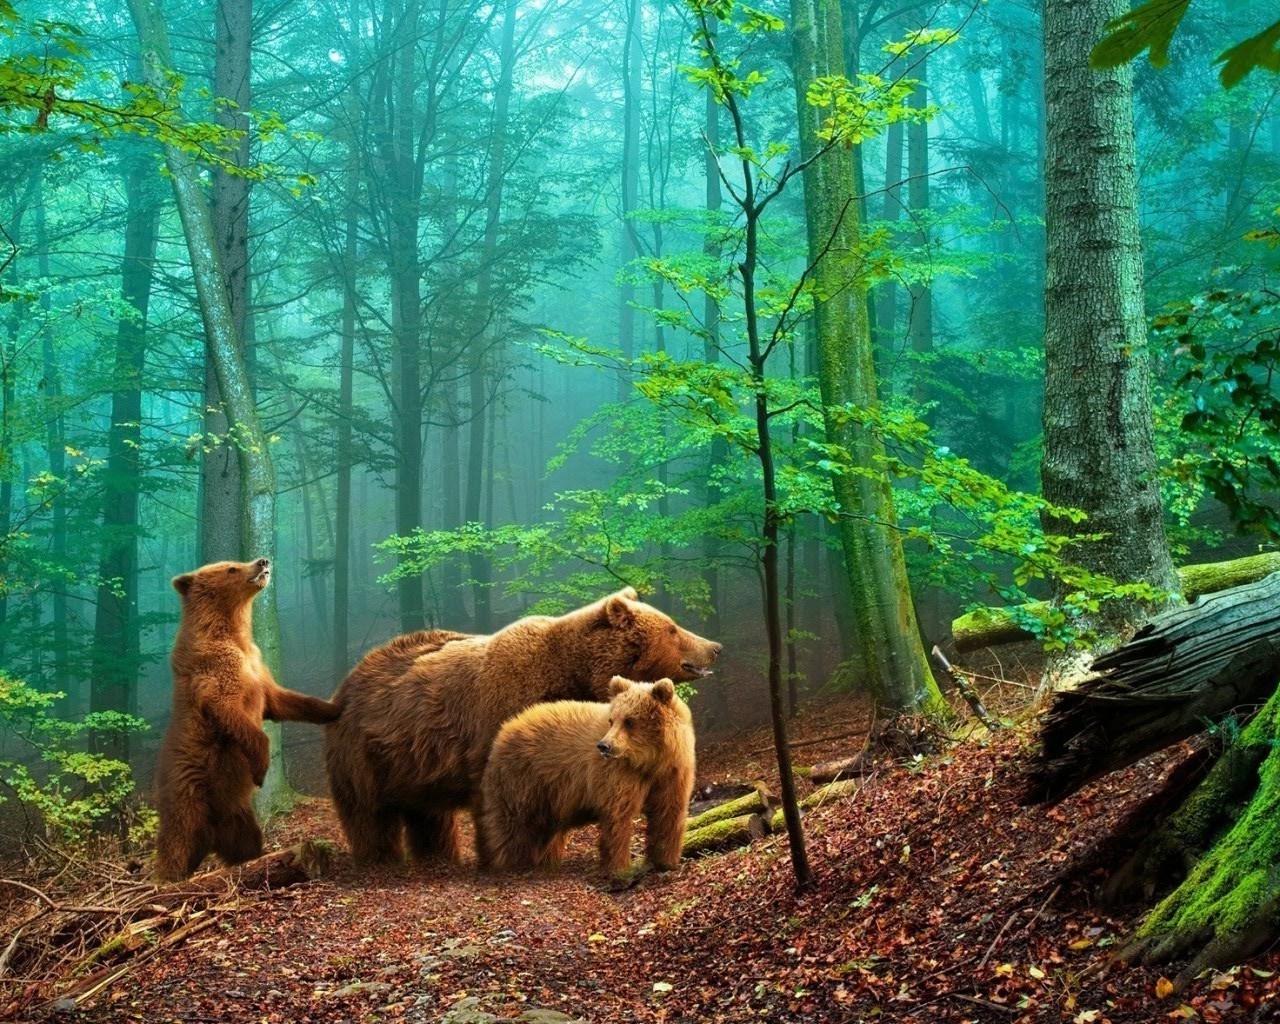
(238, 837)
(433, 835)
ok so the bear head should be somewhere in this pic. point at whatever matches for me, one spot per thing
(648, 723)
(223, 586)
(658, 648)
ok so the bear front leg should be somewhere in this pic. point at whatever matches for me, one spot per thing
(615, 844)
(553, 854)
(666, 811)
(287, 706)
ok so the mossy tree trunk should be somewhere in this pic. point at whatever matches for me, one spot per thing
(893, 659)
(226, 352)
(1224, 844)
(1099, 455)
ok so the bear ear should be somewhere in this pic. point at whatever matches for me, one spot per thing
(629, 593)
(618, 685)
(182, 584)
(664, 691)
(617, 612)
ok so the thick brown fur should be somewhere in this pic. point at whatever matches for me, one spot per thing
(215, 752)
(416, 728)
(559, 766)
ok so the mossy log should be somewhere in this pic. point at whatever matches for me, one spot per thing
(1186, 668)
(991, 627)
(1224, 844)
(761, 801)
(728, 833)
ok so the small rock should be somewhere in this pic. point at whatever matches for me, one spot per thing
(545, 1015)
(467, 1011)
(359, 988)
(64, 1005)
(462, 952)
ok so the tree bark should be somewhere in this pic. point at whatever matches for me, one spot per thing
(222, 517)
(483, 363)
(897, 671)
(346, 410)
(630, 183)
(116, 652)
(1099, 455)
(257, 471)
(56, 448)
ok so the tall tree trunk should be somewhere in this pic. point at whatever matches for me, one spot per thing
(116, 652)
(1098, 449)
(222, 341)
(221, 514)
(453, 605)
(346, 410)
(921, 321)
(711, 247)
(55, 446)
(395, 87)
(628, 248)
(897, 672)
(484, 365)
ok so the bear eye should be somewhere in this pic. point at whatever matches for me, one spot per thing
(674, 631)
(628, 723)
(232, 569)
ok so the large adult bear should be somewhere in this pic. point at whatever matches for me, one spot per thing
(419, 714)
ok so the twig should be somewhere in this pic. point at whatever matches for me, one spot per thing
(4, 957)
(813, 742)
(981, 1002)
(999, 935)
(966, 691)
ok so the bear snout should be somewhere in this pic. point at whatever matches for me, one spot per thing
(605, 748)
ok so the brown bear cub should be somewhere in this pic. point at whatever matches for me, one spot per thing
(215, 752)
(559, 766)
(419, 714)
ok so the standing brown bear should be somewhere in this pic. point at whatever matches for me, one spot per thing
(558, 766)
(419, 715)
(215, 752)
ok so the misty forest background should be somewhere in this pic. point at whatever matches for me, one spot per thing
(476, 255)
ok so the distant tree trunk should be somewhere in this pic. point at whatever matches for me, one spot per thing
(630, 183)
(887, 290)
(346, 410)
(395, 85)
(711, 247)
(221, 518)
(116, 651)
(921, 322)
(893, 657)
(483, 363)
(1098, 450)
(56, 448)
(257, 472)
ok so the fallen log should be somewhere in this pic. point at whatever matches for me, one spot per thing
(992, 627)
(758, 801)
(728, 833)
(1183, 671)
(860, 763)
(966, 690)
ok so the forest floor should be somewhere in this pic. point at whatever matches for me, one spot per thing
(936, 897)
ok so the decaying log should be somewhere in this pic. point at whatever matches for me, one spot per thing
(1185, 669)
(991, 627)
(728, 833)
(860, 763)
(760, 800)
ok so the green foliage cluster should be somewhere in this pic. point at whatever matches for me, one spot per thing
(74, 791)
(1151, 27)
(1223, 348)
